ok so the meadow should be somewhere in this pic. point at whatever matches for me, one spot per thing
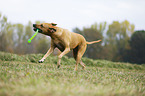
(22, 75)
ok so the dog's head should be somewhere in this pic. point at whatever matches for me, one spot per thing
(45, 28)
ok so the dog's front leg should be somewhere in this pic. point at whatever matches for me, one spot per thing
(62, 54)
(47, 54)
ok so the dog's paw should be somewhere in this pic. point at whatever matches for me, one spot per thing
(41, 61)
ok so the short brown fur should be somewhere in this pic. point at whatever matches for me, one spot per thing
(64, 41)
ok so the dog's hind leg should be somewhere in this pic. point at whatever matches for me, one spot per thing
(83, 65)
(80, 51)
(75, 53)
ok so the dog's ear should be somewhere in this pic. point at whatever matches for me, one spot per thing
(53, 24)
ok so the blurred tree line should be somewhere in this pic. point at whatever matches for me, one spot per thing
(13, 38)
(119, 41)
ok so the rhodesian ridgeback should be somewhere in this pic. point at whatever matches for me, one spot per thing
(65, 41)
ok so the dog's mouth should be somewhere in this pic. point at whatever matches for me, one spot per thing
(39, 30)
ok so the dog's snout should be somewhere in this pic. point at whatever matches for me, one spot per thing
(34, 25)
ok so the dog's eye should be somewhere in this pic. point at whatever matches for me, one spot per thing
(41, 25)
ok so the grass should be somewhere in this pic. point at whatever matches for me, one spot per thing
(23, 76)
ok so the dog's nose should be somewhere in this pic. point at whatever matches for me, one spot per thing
(34, 25)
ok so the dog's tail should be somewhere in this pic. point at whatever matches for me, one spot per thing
(94, 42)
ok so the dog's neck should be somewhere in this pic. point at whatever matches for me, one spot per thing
(55, 35)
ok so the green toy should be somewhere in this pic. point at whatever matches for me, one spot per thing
(29, 41)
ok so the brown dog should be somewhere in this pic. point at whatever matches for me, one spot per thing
(64, 41)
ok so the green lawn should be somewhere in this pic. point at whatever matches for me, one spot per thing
(23, 76)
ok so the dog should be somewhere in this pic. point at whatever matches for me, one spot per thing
(65, 41)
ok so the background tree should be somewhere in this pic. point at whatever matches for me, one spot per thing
(136, 54)
(13, 38)
(18, 38)
(117, 39)
(3, 38)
